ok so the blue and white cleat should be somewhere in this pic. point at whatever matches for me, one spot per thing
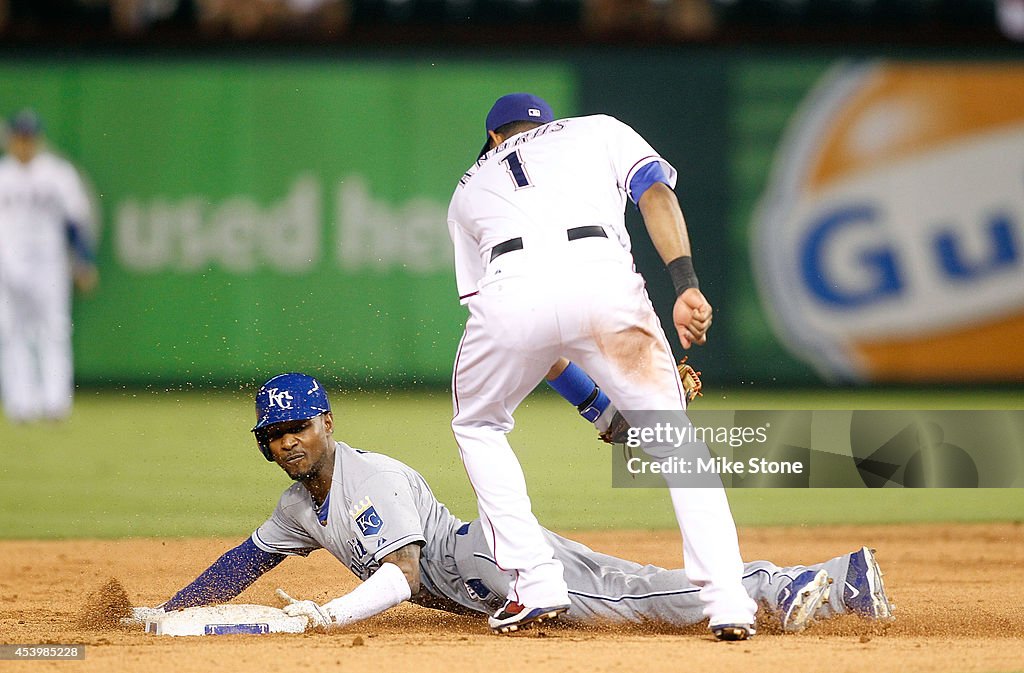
(516, 617)
(801, 598)
(864, 592)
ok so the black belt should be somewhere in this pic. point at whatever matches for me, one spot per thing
(573, 234)
(506, 246)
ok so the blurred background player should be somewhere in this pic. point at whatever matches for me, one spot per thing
(45, 215)
(542, 261)
(380, 519)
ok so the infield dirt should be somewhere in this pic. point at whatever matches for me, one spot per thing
(959, 591)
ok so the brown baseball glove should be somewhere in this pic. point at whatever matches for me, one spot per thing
(692, 386)
(691, 381)
(617, 429)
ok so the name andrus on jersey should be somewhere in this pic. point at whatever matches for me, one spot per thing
(516, 141)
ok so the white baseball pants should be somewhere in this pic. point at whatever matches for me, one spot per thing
(582, 301)
(36, 379)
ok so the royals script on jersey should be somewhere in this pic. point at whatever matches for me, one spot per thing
(538, 184)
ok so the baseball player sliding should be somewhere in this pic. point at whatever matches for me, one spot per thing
(43, 211)
(542, 260)
(379, 518)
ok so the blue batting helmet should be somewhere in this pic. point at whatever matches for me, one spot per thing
(287, 397)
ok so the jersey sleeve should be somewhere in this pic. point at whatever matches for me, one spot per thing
(469, 268)
(75, 198)
(629, 154)
(386, 515)
(226, 578)
(282, 534)
(77, 212)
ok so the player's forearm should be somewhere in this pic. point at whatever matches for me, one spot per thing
(667, 228)
(407, 559)
(664, 222)
(383, 589)
(397, 579)
(229, 576)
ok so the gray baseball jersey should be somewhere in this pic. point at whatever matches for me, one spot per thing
(378, 504)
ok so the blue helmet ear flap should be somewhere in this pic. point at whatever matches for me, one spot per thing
(263, 443)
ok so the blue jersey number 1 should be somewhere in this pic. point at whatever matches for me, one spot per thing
(514, 164)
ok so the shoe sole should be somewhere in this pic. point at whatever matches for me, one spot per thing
(811, 596)
(527, 623)
(882, 608)
(732, 632)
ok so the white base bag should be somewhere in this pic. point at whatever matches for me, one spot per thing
(219, 620)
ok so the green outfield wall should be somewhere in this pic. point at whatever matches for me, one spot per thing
(260, 216)
(267, 213)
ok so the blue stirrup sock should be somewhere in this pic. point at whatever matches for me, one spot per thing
(576, 386)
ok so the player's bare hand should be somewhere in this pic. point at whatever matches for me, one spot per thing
(692, 317)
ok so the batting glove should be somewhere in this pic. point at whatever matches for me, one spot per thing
(317, 615)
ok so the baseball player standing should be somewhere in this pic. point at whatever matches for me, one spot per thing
(542, 260)
(380, 519)
(44, 210)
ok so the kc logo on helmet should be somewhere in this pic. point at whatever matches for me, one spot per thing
(892, 232)
(282, 399)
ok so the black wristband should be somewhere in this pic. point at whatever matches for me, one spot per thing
(682, 274)
(590, 399)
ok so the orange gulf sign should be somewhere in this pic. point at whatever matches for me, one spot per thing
(890, 242)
